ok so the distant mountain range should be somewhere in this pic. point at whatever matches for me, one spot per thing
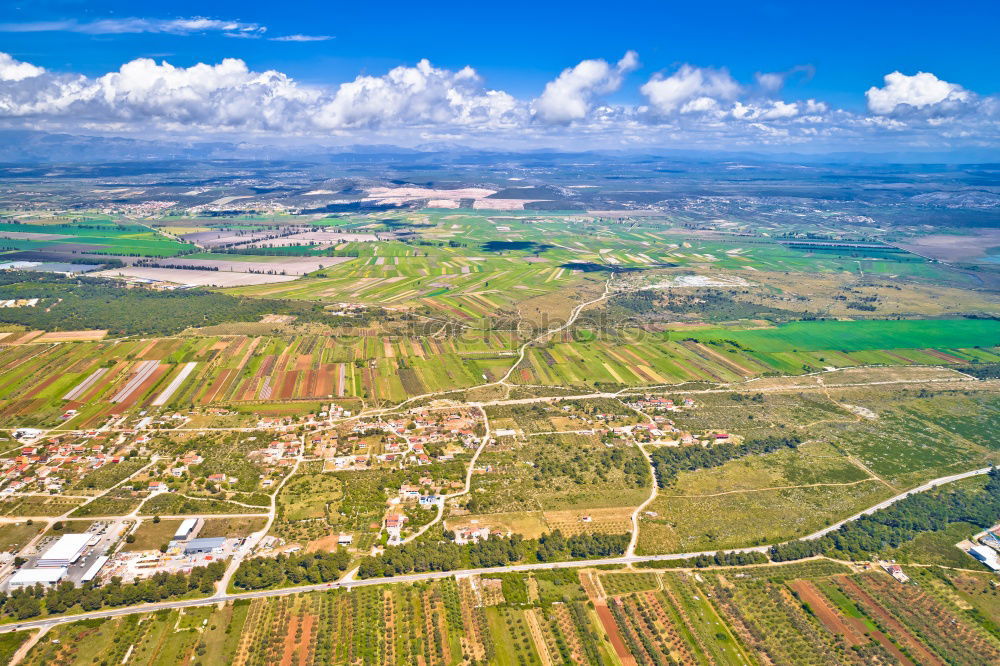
(37, 147)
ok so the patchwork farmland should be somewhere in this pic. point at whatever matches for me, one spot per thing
(232, 369)
(414, 424)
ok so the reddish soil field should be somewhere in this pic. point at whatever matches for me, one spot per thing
(145, 350)
(246, 352)
(366, 381)
(309, 383)
(709, 354)
(611, 629)
(324, 381)
(216, 386)
(327, 544)
(947, 358)
(26, 337)
(286, 385)
(642, 375)
(296, 652)
(824, 610)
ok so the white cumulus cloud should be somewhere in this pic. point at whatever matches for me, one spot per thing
(690, 89)
(770, 81)
(423, 94)
(697, 106)
(15, 70)
(919, 91)
(569, 96)
(773, 110)
(229, 95)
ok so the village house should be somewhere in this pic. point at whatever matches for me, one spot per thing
(466, 535)
(394, 526)
(408, 492)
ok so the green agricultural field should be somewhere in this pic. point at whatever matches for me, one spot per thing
(96, 238)
(625, 583)
(812, 464)
(915, 437)
(863, 335)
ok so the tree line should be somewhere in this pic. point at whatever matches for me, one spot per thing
(298, 569)
(97, 303)
(444, 555)
(27, 602)
(720, 559)
(982, 371)
(669, 461)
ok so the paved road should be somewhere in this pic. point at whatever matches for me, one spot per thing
(409, 578)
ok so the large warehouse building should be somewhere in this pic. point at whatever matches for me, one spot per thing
(65, 551)
(205, 545)
(186, 529)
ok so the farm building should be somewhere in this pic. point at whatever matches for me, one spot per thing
(206, 545)
(28, 577)
(65, 551)
(896, 572)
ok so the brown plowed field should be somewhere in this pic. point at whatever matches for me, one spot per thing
(142, 389)
(217, 386)
(826, 613)
(611, 629)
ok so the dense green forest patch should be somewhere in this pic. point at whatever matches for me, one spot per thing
(95, 303)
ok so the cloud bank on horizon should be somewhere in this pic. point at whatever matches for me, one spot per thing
(690, 106)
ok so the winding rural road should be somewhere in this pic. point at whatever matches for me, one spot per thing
(251, 541)
(892, 500)
(574, 315)
(432, 575)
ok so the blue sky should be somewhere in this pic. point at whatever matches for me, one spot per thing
(831, 53)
